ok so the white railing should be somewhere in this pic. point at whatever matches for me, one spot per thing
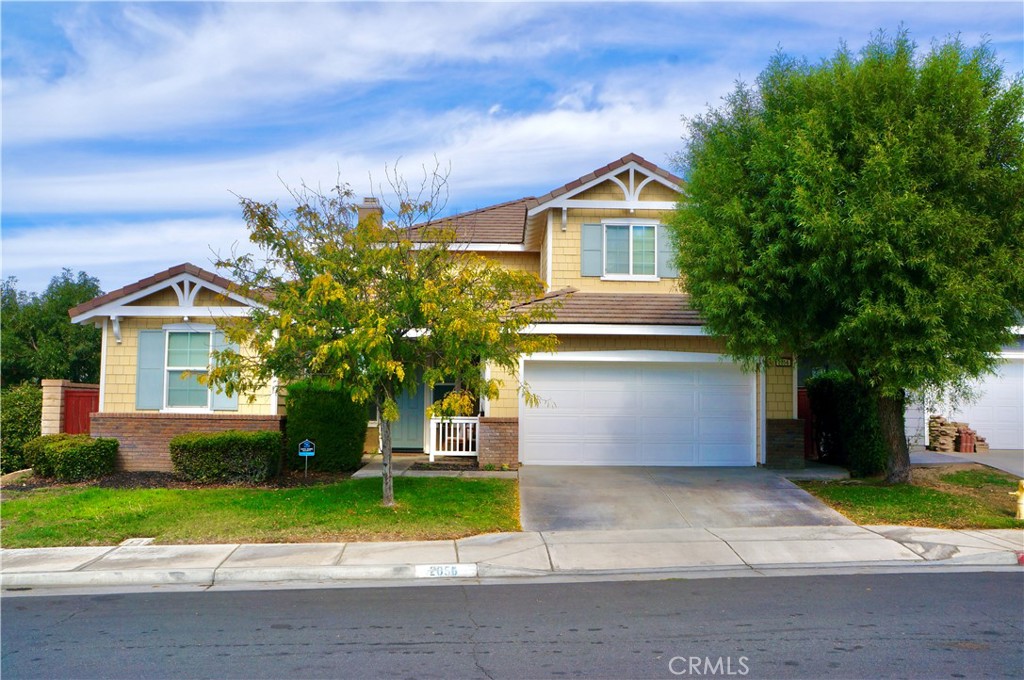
(454, 437)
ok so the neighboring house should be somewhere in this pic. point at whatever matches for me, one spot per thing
(996, 411)
(635, 380)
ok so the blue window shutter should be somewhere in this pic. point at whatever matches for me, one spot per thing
(149, 377)
(666, 254)
(591, 247)
(221, 401)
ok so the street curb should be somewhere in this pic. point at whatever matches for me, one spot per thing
(133, 577)
(235, 576)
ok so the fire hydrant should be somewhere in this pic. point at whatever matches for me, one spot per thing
(1019, 493)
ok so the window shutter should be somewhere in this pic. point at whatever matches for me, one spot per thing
(149, 378)
(666, 254)
(221, 401)
(591, 247)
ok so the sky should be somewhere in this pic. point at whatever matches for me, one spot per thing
(129, 130)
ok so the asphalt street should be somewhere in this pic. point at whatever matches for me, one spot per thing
(948, 625)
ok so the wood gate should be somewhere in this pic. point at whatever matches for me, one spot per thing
(78, 405)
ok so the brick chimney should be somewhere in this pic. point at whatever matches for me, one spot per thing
(370, 208)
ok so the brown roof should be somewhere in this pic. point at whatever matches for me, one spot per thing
(186, 268)
(502, 223)
(611, 167)
(623, 308)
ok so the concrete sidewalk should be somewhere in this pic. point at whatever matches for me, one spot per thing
(526, 554)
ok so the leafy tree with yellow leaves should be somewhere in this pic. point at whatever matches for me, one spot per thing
(378, 306)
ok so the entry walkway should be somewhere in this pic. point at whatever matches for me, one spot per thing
(722, 551)
(573, 498)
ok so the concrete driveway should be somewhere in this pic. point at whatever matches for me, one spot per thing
(569, 498)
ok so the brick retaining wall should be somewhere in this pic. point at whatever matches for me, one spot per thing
(784, 443)
(144, 437)
(499, 442)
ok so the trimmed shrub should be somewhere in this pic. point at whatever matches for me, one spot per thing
(81, 457)
(847, 430)
(71, 457)
(21, 409)
(34, 452)
(230, 456)
(326, 415)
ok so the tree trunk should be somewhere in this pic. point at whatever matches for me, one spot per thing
(388, 496)
(890, 416)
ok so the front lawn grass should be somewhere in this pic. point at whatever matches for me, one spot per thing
(951, 497)
(427, 509)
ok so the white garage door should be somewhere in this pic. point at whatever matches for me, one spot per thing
(624, 413)
(998, 413)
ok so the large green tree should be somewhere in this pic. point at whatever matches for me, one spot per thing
(867, 209)
(379, 307)
(37, 337)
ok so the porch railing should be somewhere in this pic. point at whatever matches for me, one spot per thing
(454, 437)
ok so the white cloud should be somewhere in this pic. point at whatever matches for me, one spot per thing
(118, 253)
(156, 70)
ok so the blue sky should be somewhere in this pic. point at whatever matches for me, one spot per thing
(128, 128)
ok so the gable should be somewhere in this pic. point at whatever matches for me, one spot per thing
(181, 291)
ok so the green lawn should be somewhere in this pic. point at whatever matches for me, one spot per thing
(871, 502)
(427, 508)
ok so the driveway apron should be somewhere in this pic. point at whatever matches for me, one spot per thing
(568, 498)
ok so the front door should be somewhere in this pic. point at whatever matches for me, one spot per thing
(407, 431)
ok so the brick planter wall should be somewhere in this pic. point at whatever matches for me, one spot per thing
(499, 442)
(144, 437)
(784, 443)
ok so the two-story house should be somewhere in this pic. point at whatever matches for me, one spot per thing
(635, 379)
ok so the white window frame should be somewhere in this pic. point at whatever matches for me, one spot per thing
(630, 223)
(186, 328)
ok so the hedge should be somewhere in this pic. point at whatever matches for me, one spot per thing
(326, 415)
(847, 430)
(71, 457)
(230, 456)
(21, 409)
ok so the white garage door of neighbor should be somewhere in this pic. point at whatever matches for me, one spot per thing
(998, 413)
(625, 413)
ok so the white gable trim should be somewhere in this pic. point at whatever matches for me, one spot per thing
(630, 193)
(186, 288)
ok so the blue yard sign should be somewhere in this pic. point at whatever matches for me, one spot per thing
(306, 450)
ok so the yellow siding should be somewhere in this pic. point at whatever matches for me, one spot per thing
(565, 255)
(527, 262)
(779, 392)
(121, 364)
(162, 298)
(210, 298)
(507, 403)
(542, 264)
(656, 191)
(605, 191)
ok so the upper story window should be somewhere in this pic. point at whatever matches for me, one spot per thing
(629, 250)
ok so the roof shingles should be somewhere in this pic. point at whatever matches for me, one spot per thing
(623, 308)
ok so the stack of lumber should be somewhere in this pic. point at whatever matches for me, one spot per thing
(941, 435)
(980, 445)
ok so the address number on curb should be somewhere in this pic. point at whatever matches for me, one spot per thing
(445, 570)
